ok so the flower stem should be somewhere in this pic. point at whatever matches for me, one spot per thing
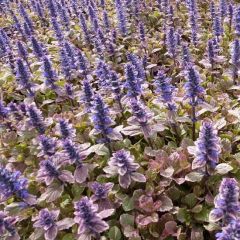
(194, 123)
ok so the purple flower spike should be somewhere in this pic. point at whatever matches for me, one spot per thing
(23, 77)
(12, 183)
(87, 96)
(69, 90)
(37, 48)
(36, 119)
(82, 61)
(100, 190)
(22, 51)
(106, 20)
(237, 22)
(72, 152)
(132, 82)
(102, 71)
(65, 129)
(76, 155)
(70, 51)
(63, 15)
(65, 65)
(27, 31)
(122, 164)
(50, 170)
(7, 225)
(207, 146)
(171, 42)
(212, 11)
(57, 29)
(47, 145)
(89, 220)
(230, 232)
(116, 87)
(17, 24)
(141, 116)
(223, 8)
(101, 119)
(27, 19)
(227, 206)
(211, 52)
(121, 15)
(3, 110)
(39, 11)
(166, 90)
(100, 196)
(193, 20)
(142, 32)
(194, 91)
(14, 110)
(49, 74)
(52, 8)
(138, 66)
(217, 26)
(84, 27)
(235, 52)
(46, 220)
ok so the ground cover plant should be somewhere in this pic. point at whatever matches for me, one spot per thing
(119, 119)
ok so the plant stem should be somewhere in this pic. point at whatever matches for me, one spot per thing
(194, 122)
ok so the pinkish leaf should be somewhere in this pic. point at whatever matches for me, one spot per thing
(124, 180)
(81, 174)
(106, 213)
(52, 193)
(66, 176)
(51, 233)
(138, 177)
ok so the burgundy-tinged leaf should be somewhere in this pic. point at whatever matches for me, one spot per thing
(51, 233)
(81, 174)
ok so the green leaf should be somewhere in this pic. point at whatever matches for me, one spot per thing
(99, 149)
(115, 233)
(126, 220)
(194, 177)
(203, 216)
(223, 168)
(77, 190)
(128, 204)
(183, 215)
(68, 236)
(190, 200)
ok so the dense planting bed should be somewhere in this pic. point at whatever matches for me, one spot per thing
(119, 119)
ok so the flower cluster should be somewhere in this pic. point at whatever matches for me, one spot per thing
(194, 91)
(207, 146)
(231, 232)
(7, 226)
(65, 129)
(166, 90)
(132, 82)
(89, 221)
(50, 170)
(100, 190)
(35, 118)
(101, 119)
(12, 183)
(122, 21)
(122, 164)
(119, 104)
(227, 205)
(46, 220)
